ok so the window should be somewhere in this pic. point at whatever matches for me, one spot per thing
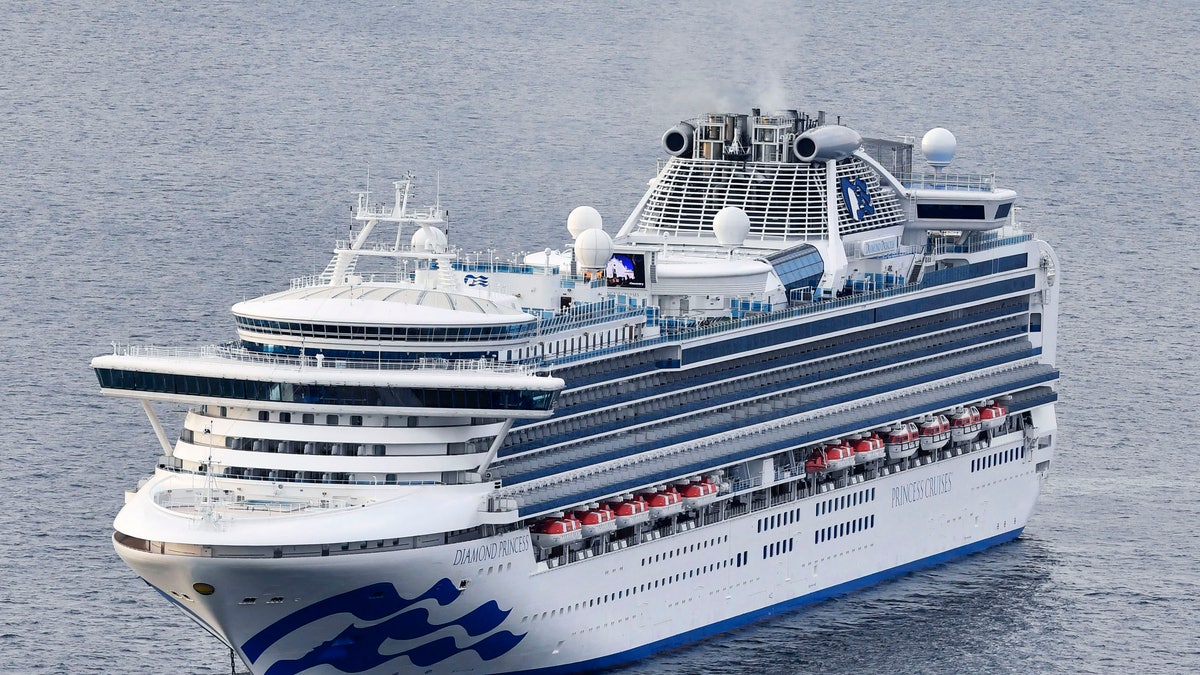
(285, 417)
(264, 416)
(331, 420)
(307, 418)
(326, 394)
(356, 420)
(951, 211)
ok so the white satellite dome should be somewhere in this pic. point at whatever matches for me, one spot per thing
(938, 146)
(429, 238)
(593, 248)
(731, 225)
(583, 218)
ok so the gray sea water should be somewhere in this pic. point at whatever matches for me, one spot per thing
(160, 161)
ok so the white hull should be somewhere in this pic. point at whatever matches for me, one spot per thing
(613, 607)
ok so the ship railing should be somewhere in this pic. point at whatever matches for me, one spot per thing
(200, 499)
(727, 326)
(497, 267)
(568, 359)
(384, 247)
(576, 281)
(902, 251)
(375, 210)
(941, 180)
(942, 247)
(480, 265)
(738, 324)
(231, 353)
(744, 484)
(392, 212)
(585, 314)
(309, 281)
(930, 280)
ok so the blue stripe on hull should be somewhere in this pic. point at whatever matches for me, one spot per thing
(778, 608)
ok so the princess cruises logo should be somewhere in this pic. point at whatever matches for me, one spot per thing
(475, 280)
(376, 627)
(856, 198)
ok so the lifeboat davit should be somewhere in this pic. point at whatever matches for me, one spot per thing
(902, 441)
(599, 520)
(965, 424)
(553, 532)
(634, 511)
(868, 448)
(699, 493)
(935, 433)
(666, 503)
(992, 415)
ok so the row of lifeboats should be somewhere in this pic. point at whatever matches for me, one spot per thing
(596, 518)
(904, 439)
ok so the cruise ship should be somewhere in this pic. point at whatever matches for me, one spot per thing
(799, 367)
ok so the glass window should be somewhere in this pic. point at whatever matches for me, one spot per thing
(324, 394)
(951, 211)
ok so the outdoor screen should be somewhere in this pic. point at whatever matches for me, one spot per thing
(627, 270)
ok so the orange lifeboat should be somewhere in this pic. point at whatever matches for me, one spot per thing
(867, 448)
(902, 440)
(699, 493)
(965, 424)
(816, 462)
(992, 415)
(598, 520)
(632, 511)
(935, 433)
(839, 455)
(665, 503)
(553, 532)
(836, 456)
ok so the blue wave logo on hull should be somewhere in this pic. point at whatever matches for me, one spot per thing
(356, 649)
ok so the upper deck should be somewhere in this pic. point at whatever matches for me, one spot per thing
(755, 219)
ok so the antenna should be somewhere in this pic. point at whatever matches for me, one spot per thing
(210, 484)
